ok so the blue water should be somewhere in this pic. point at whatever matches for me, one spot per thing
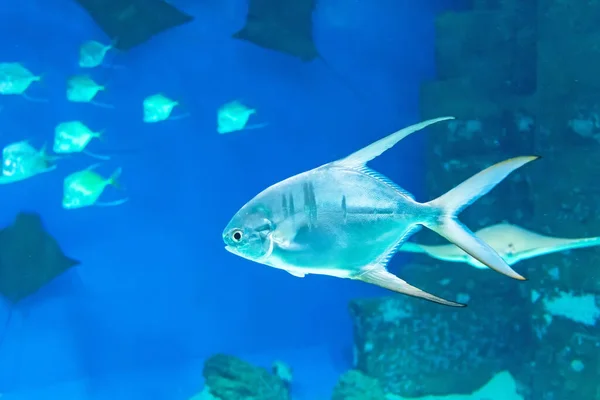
(156, 292)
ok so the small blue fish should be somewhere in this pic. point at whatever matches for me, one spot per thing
(345, 220)
(83, 188)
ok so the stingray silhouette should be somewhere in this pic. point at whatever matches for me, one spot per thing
(286, 26)
(30, 258)
(512, 243)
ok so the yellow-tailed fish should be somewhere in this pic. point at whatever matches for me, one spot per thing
(73, 137)
(234, 116)
(346, 220)
(83, 89)
(83, 188)
(511, 242)
(15, 79)
(159, 107)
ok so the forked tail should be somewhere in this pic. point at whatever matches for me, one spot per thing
(453, 202)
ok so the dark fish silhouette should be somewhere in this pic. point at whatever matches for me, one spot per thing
(284, 26)
(29, 258)
(132, 22)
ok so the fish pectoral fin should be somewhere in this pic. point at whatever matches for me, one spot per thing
(296, 274)
(387, 280)
(288, 245)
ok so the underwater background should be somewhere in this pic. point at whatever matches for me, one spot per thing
(156, 308)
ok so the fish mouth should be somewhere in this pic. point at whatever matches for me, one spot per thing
(230, 249)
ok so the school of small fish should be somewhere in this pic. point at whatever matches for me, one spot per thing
(83, 188)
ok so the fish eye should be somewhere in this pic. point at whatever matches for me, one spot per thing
(237, 235)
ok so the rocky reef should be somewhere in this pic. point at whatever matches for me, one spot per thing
(229, 378)
(355, 385)
(522, 78)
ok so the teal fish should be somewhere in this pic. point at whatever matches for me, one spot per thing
(15, 79)
(346, 220)
(84, 188)
(83, 89)
(234, 116)
(22, 161)
(73, 137)
(159, 107)
(92, 53)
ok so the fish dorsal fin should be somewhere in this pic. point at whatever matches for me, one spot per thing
(385, 180)
(368, 153)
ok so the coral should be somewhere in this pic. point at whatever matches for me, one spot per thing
(229, 378)
(354, 385)
(437, 350)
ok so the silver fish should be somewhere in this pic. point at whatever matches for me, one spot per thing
(345, 220)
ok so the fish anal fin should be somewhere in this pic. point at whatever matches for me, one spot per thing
(103, 105)
(380, 277)
(412, 247)
(97, 156)
(384, 260)
(34, 99)
(112, 203)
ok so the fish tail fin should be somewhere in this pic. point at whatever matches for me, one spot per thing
(45, 155)
(457, 199)
(114, 178)
(113, 43)
(44, 150)
(41, 78)
(255, 126)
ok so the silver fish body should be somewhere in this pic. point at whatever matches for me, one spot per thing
(345, 220)
(335, 219)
